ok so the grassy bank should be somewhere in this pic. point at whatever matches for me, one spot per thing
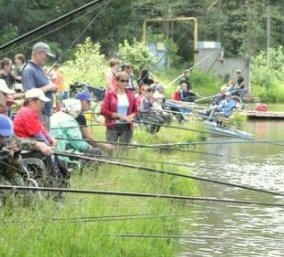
(104, 225)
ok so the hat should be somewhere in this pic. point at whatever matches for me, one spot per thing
(84, 96)
(43, 47)
(36, 93)
(6, 126)
(4, 88)
(72, 106)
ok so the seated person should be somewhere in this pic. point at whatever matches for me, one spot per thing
(225, 108)
(187, 95)
(66, 130)
(176, 94)
(148, 113)
(160, 108)
(10, 148)
(85, 99)
(28, 123)
(220, 97)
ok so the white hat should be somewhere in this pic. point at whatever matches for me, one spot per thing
(4, 88)
(36, 93)
(72, 106)
(43, 47)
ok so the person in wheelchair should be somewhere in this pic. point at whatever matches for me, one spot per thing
(225, 108)
(11, 172)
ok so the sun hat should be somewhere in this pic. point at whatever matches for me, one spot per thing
(6, 126)
(4, 88)
(43, 47)
(72, 106)
(36, 93)
(84, 96)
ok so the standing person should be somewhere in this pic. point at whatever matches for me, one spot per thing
(185, 79)
(19, 61)
(59, 78)
(4, 93)
(119, 109)
(33, 76)
(85, 99)
(6, 72)
(240, 81)
(110, 75)
(128, 68)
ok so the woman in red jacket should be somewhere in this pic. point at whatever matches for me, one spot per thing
(119, 109)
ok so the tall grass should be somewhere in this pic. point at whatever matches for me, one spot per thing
(96, 225)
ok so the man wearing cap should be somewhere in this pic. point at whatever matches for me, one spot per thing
(33, 76)
(27, 122)
(85, 99)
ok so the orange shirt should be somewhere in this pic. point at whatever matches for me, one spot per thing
(59, 81)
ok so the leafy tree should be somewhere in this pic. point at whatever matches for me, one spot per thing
(137, 53)
(88, 65)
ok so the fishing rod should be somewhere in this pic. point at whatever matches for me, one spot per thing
(98, 218)
(127, 144)
(82, 8)
(180, 128)
(131, 166)
(160, 146)
(162, 236)
(142, 195)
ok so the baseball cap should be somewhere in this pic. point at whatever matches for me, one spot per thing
(4, 88)
(84, 96)
(43, 47)
(6, 126)
(36, 93)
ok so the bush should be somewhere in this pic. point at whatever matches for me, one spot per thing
(89, 65)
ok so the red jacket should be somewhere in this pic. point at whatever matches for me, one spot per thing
(176, 95)
(109, 106)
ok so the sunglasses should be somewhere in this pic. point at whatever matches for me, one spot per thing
(123, 80)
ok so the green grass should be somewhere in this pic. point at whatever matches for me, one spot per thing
(90, 224)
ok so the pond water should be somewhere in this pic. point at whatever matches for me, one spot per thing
(226, 229)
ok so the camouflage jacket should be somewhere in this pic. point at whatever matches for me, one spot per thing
(12, 164)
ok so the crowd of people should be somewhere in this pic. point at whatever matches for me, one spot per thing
(37, 126)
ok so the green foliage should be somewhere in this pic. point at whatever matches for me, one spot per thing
(137, 53)
(89, 65)
(268, 74)
(171, 47)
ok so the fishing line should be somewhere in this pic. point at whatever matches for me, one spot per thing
(167, 172)
(142, 195)
(203, 60)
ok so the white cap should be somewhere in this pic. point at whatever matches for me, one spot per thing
(4, 88)
(36, 93)
(43, 47)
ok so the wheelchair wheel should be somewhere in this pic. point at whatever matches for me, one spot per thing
(97, 116)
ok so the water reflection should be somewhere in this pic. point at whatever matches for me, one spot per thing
(221, 229)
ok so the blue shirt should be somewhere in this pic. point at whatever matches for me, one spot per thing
(33, 76)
